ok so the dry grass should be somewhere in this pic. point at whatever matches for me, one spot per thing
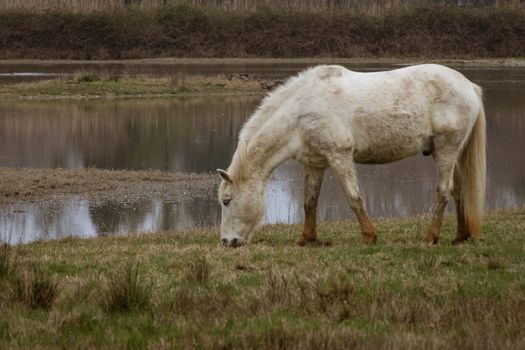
(8, 261)
(34, 288)
(398, 294)
(93, 86)
(126, 290)
(199, 270)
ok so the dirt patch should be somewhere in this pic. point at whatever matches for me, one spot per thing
(99, 185)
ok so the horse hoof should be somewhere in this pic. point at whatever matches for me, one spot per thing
(459, 240)
(369, 239)
(431, 240)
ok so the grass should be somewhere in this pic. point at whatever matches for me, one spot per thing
(125, 290)
(184, 290)
(8, 261)
(34, 288)
(185, 31)
(85, 86)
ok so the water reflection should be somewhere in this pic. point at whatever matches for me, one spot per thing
(79, 217)
(170, 134)
(198, 135)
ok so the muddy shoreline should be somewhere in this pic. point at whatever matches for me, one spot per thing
(31, 185)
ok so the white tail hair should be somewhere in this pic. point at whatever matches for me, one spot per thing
(471, 170)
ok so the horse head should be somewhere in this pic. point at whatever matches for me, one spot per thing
(242, 202)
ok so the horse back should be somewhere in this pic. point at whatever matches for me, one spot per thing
(393, 115)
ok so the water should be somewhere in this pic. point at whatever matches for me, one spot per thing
(20, 71)
(198, 135)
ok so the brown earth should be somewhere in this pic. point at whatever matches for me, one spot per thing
(34, 185)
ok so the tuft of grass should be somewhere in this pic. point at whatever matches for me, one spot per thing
(88, 78)
(178, 81)
(35, 288)
(126, 290)
(199, 270)
(8, 261)
(494, 264)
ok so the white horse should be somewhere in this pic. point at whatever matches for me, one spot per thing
(329, 116)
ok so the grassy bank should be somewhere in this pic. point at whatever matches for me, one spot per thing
(183, 31)
(90, 86)
(182, 290)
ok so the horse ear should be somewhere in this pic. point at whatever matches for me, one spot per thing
(224, 175)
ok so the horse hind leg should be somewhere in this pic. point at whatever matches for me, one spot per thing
(446, 152)
(462, 233)
(313, 179)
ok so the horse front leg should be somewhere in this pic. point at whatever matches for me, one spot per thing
(313, 178)
(345, 170)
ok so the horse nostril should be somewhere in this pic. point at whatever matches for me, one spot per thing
(224, 242)
(234, 243)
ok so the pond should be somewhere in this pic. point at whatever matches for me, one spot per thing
(199, 135)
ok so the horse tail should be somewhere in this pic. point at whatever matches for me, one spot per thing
(471, 171)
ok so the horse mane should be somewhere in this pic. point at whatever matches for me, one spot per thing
(237, 169)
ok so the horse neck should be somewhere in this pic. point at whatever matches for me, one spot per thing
(267, 148)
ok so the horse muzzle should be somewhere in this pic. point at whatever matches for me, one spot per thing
(233, 242)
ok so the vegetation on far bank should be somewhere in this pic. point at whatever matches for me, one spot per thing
(184, 31)
(85, 86)
(369, 7)
(184, 290)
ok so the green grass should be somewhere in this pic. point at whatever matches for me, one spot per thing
(96, 86)
(184, 290)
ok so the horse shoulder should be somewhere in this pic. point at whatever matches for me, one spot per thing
(324, 132)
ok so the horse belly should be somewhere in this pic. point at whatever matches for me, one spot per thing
(388, 137)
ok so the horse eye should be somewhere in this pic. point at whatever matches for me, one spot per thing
(226, 202)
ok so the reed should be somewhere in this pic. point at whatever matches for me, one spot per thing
(369, 7)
